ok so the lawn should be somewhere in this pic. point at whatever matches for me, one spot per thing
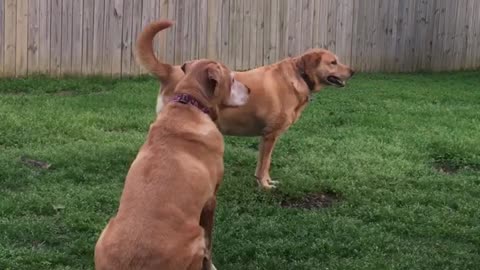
(396, 157)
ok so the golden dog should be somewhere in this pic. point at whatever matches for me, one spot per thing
(279, 93)
(166, 211)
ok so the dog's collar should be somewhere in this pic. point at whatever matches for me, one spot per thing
(188, 99)
(307, 80)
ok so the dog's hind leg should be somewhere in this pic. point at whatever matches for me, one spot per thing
(267, 143)
(206, 221)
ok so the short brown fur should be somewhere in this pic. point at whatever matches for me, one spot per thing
(279, 94)
(165, 217)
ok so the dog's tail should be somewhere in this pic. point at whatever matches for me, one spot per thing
(144, 50)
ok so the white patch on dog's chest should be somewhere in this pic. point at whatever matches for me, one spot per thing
(159, 103)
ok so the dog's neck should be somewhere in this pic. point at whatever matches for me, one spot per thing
(308, 81)
(189, 99)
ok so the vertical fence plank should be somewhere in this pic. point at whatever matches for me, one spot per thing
(272, 33)
(162, 14)
(212, 30)
(343, 35)
(225, 35)
(202, 40)
(282, 28)
(306, 25)
(460, 37)
(476, 26)
(238, 22)
(245, 37)
(255, 25)
(56, 37)
(127, 41)
(21, 65)
(67, 37)
(10, 37)
(259, 34)
(116, 40)
(136, 29)
(33, 36)
(438, 34)
(77, 36)
(98, 36)
(87, 36)
(2, 31)
(471, 36)
(291, 35)
(44, 36)
(179, 35)
(449, 38)
(107, 44)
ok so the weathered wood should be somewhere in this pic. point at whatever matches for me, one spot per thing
(237, 33)
(98, 36)
(203, 15)
(43, 50)
(21, 65)
(136, 29)
(33, 36)
(107, 46)
(224, 32)
(245, 37)
(127, 42)
(87, 36)
(212, 30)
(459, 39)
(10, 37)
(2, 36)
(67, 37)
(116, 39)
(77, 36)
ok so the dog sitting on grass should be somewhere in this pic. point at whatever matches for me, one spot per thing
(166, 213)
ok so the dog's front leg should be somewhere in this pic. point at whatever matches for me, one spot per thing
(267, 143)
(207, 219)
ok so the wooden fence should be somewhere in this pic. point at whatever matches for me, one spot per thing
(97, 36)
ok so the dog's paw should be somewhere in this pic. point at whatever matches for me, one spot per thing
(266, 183)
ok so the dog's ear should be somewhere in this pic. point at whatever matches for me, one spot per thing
(185, 66)
(308, 61)
(214, 76)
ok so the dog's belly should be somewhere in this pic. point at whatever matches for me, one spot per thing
(240, 125)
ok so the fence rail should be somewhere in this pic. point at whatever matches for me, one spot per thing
(96, 36)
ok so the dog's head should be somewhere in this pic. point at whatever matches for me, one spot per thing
(322, 68)
(217, 83)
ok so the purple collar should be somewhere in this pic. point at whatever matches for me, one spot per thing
(188, 99)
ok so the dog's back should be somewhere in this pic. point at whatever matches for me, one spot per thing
(156, 227)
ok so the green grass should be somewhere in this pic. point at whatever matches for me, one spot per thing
(378, 145)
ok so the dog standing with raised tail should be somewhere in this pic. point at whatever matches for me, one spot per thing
(279, 93)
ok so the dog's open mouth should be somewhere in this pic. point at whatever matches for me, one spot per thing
(334, 80)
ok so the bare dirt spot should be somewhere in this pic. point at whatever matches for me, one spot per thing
(35, 163)
(312, 201)
(453, 166)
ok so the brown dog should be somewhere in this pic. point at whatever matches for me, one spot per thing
(279, 93)
(166, 211)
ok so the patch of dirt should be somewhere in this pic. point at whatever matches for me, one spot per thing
(451, 166)
(35, 163)
(312, 201)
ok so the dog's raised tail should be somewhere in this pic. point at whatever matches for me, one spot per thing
(144, 50)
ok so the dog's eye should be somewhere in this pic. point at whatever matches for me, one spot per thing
(334, 62)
